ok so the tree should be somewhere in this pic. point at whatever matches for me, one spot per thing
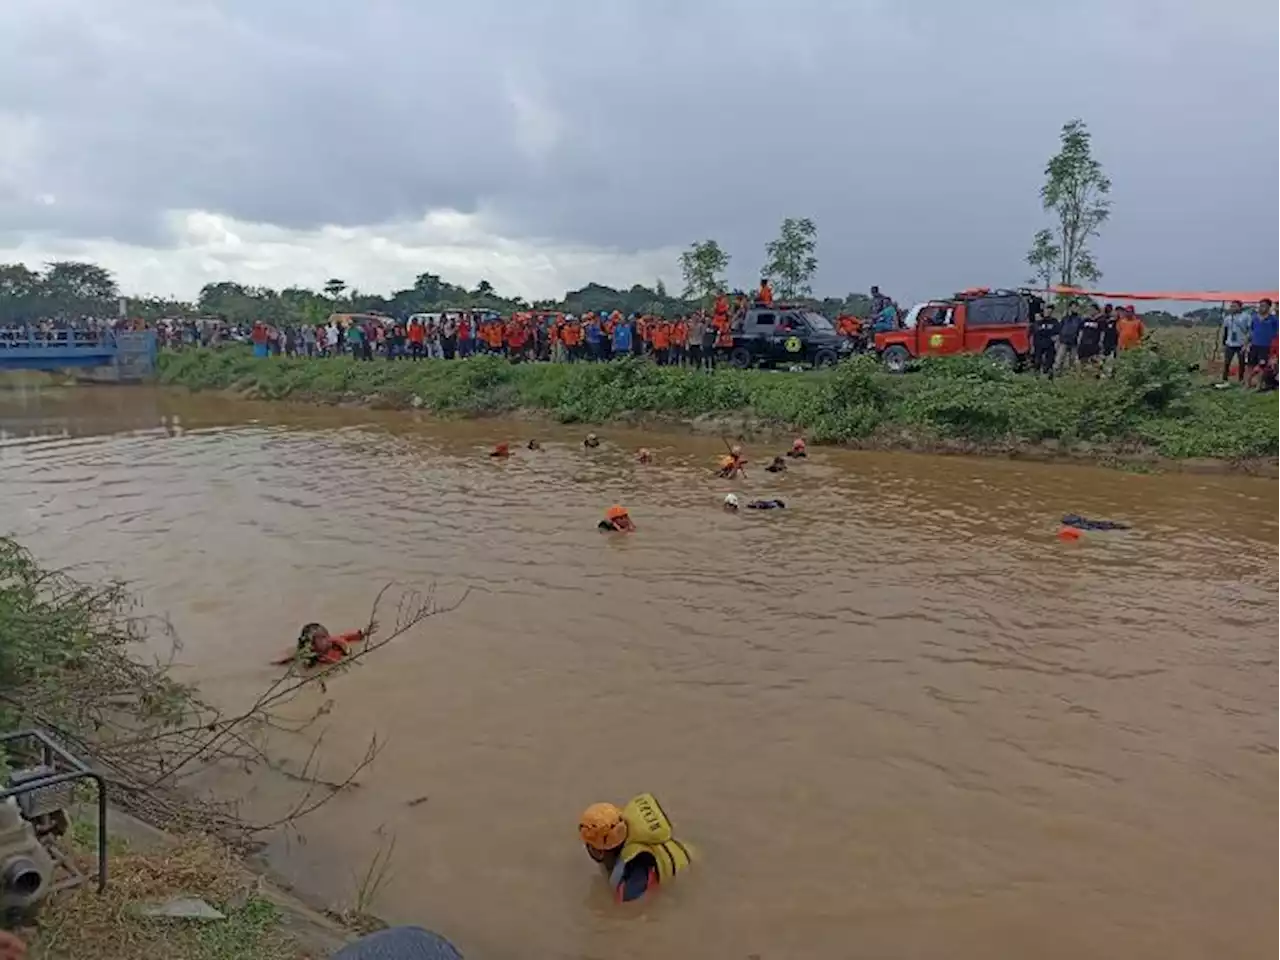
(20, 292)
(1077, 193)
(74, 289)
(702, 266)
(333, 287)
(484, 289)
(1043, 258)
(792, 258)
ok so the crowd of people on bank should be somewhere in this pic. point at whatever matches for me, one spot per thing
(1249, 337)
(696, 339)
(1061, 339)
(1077, 337)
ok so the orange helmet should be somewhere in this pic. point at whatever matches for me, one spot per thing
(615, 512)
(601, 826)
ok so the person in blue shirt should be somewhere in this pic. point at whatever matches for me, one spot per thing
(622, 338)
(591, 333)
(1262, 339)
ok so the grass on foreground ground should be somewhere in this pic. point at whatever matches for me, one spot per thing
(1152, 403)
(79, 923)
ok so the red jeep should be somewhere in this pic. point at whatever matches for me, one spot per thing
(993, 323)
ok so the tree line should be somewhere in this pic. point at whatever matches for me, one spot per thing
(73, 289)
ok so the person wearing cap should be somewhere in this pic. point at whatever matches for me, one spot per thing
(634, 844)
(797, 448)
(616, 520)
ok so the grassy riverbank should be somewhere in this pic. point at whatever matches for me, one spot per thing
(71, 664)
(1152, 407)
(67, 664)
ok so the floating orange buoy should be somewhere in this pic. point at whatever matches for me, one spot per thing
(1068, 534)
(501, 450)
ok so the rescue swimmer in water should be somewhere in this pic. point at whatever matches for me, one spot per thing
(317, 647)
(731, 504)
(634, 845)
(616, 520)
(732, 464)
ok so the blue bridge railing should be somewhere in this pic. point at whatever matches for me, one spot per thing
(131, 354)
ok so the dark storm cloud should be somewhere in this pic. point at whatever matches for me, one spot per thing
(915, 137)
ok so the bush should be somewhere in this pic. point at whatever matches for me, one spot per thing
(1149, 400)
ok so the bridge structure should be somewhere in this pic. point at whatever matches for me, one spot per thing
(108, 354)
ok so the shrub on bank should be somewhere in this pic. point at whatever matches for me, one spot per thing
(1150, 401)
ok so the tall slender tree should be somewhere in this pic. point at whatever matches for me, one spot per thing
(703, 266)
(1077, 193)
(792, 258)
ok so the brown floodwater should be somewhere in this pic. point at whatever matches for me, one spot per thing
(897, 719)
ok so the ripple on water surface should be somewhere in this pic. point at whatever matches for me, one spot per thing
(898, 718)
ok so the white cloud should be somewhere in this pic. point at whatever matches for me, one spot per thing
(205, 247)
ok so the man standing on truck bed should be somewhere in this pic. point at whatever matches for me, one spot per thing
(878, 301)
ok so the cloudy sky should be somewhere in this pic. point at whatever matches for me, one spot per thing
(543, 144)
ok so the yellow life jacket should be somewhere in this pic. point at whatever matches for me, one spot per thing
(649, 831)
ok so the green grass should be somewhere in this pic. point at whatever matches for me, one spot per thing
(1152, 403)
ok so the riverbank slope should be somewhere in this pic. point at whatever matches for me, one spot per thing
(1153, 412)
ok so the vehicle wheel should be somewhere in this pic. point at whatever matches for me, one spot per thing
(896, 358)
(1001, 353)
(740, 357)
(825, 358)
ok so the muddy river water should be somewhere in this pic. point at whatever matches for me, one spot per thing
(897, 719)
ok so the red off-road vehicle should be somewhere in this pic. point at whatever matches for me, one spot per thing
(995, 323)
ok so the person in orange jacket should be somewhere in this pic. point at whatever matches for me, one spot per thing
(317, 647)
(679, 341)
(765, 294)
